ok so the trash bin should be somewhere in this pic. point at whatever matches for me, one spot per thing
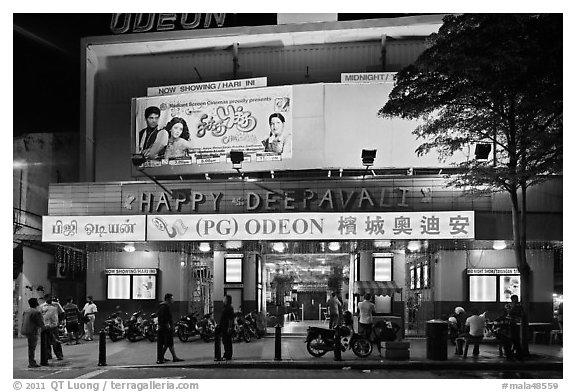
(437, 340)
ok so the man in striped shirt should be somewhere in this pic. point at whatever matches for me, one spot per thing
(72, 323)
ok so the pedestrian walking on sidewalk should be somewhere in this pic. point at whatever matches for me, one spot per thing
(227, 327)
(72, 321)
(89, 312)
(334, 310)
(165, 331)
(32, 323)
(51, 312)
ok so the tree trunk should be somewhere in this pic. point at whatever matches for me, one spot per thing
(519, 230)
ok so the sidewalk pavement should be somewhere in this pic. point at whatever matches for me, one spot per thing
(261, 353)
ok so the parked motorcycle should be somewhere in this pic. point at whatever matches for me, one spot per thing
(206, 327)
(252, 326)
(186, 327)
(240, 329)
(135, 327)
(114, 327)
(150, 327)
(321, 340)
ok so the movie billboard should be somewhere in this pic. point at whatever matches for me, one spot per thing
(203, 127)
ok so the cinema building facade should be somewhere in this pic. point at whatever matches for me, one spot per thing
(283, 228)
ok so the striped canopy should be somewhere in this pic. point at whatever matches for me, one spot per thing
(376, 288)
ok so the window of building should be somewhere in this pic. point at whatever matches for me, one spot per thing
(483, 288)
(233, 269)
(118, 287)
(382, 267)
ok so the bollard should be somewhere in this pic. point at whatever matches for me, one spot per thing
(44, 347)
(102, 349)
(337, 345)
(278, 343)
(217, 345)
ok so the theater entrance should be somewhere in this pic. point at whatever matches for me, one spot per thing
(299, 284)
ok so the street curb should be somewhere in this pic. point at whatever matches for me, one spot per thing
(414, 365)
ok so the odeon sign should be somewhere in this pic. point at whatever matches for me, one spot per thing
(283, 226)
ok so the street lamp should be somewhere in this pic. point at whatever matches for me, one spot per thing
(368, 157)
(137, 161)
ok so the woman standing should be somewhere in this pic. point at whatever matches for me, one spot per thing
(178, 143)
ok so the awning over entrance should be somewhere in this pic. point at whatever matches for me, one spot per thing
(376, 288)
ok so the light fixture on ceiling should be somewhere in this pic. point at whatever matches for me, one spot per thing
(233, 244)
(334, 246)
(204, 247)
(413, 246)
(279, 247)
(382, 243)
(129, 248)
(499, 245)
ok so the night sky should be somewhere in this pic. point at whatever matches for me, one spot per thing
(46, 62)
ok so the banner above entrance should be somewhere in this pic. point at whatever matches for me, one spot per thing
(310, 226)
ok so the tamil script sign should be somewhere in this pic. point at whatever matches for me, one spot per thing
(305, 226)
(203, 127)
(222, 85)
(93, 228)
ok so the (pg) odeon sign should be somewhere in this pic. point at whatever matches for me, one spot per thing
(337, 226)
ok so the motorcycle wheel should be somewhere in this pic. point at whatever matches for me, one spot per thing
(183, 334)
(254, 332)
(246, 336)
(313, 350)
(113, 337)
(132, 337)
(362, 347)
(151, 337)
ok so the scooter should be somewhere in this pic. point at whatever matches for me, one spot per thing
(135, 327)
(251, 324)
(150, 326)
(186, 327)
(206, 327)
(321, 340)
(114, 327)
(240, 330)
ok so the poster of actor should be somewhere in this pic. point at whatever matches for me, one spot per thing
(189, 126)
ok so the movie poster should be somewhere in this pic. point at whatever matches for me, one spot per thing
(203, 127)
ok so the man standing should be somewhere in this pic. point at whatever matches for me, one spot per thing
(165, 331)
(227, 326)
(334, 306)
(32, 322)
(72, 323)
(90, 309)
(151, 140)
(50, 312)
(366, 309)
(515, 313)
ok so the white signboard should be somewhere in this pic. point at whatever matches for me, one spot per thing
(492, 271)
(204, 127)
(307, 226)
(131, 271)
(367, 77)
(93, 228)
(236, 84)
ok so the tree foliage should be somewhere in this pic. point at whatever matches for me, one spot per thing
(489, 78)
